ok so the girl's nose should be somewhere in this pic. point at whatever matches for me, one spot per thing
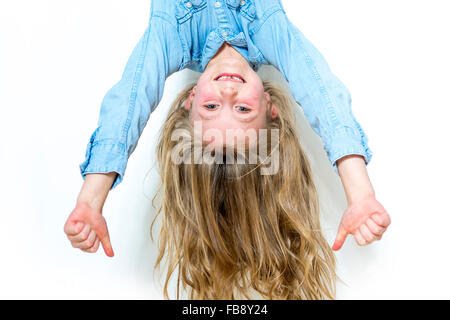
(228, 91)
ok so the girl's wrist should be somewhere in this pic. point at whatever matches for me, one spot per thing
(95, 189)
(355, 179)
(360, 195)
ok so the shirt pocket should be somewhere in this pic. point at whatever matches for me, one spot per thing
(245, 7)
(186, 8)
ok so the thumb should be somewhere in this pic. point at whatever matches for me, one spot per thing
(340, 238)
(103, 235)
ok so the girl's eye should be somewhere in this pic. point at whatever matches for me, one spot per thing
(243, 109)
(211, 106)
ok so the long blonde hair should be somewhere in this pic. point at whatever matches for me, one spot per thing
(231, 230)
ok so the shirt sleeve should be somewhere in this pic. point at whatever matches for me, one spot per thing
(127, 106)
(325, 100)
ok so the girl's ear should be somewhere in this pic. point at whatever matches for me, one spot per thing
(188, 102)
(273, 111)
(273, 108)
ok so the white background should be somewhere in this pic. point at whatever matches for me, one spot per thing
(58, 59)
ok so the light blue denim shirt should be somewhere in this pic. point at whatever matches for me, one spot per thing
(187, 34)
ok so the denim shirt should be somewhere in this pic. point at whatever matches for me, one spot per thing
(187, 34)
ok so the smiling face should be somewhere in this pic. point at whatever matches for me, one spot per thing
(230, 95)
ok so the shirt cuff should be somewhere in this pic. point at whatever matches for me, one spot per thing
(104, 158)
(347, 144)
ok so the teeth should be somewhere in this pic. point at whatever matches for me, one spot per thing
(229, 77)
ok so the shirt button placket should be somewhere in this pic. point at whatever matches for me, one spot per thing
(222, 18)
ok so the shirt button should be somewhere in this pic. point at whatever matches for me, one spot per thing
(218, 4)
(189, 4)
(225, 34)
(242, 2)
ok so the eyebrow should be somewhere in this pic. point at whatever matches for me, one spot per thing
(242, 120)
(212, 117)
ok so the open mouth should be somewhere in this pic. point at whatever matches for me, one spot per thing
(230, 77)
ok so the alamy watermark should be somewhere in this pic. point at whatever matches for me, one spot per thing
(237, 146)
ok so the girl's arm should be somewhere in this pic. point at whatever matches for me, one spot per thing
(355, 178)
(124, 113)
(325, 100)
(127, 106)
(95, 189)
(326, 103)
(365, 218)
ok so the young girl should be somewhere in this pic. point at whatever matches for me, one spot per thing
(226, 40)
(235, 226)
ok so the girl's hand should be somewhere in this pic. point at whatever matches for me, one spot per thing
(86, 229)
(366, 219)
